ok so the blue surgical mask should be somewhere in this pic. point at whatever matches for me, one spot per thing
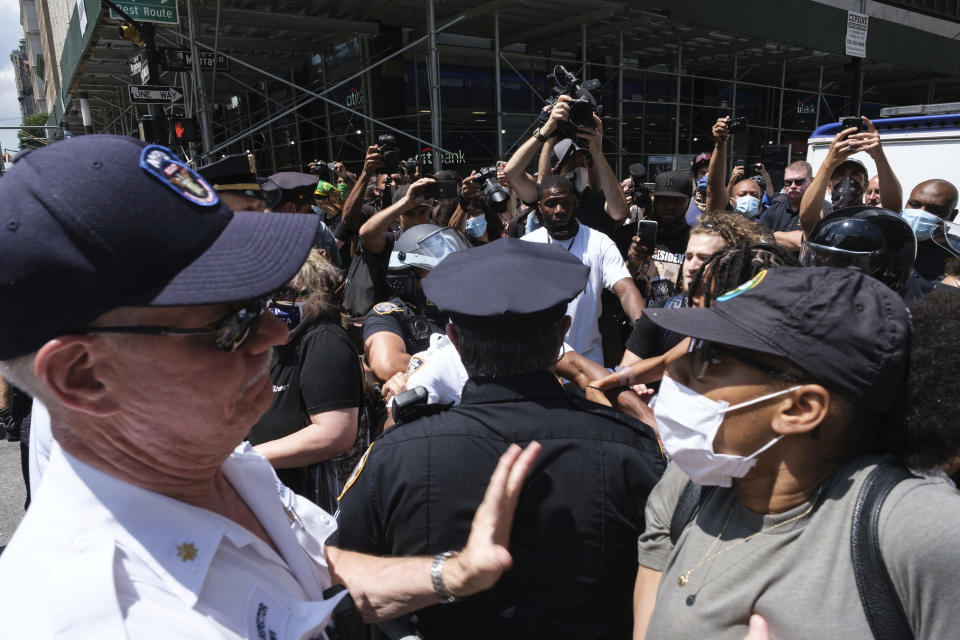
(316, 209)
(748, 206)
(476, 226)
(922, 222)
(702, 185)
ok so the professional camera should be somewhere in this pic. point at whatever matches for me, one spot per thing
(736, 124)
(497, 196)
(638, 191)
(390, 152)
(410, 166)
(321, 169)
(582, 107)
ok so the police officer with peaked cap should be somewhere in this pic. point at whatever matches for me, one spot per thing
(234, 178)
(577, 523)
(293, 192)
(153, 518)
(290, 191)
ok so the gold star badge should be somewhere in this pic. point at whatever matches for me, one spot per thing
(186, 551)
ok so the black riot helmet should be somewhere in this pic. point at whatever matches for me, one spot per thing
(420, 247)
(876, 241)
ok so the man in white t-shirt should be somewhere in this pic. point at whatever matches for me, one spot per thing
(596, 250)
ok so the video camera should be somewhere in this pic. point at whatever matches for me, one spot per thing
(497, 196)
(582, 107)
(390, 152)
(638, 191)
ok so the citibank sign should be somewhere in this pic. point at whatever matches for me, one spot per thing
(354, 97)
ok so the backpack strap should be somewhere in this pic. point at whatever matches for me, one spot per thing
(686, 507)
(877, 594)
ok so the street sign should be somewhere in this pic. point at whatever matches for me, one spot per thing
(164, 11)
(180, 60)
(155, 95)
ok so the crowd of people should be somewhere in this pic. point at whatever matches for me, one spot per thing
(290, 405)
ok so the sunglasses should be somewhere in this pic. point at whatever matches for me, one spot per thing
(799, 183)
(231, 332)
(707, 354)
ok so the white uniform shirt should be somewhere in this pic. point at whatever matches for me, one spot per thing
(97, 557)
(440, 371)
(596, 250)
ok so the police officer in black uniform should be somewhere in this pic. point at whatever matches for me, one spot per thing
(576, 527)
(400, 327)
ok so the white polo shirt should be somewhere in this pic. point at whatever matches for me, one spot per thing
(596, 250)
(97, 557)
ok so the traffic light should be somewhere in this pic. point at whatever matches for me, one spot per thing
(130, 32)
(183, 130)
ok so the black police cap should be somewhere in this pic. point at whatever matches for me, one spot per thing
(235, 173)
(535, 283)
(293, 186)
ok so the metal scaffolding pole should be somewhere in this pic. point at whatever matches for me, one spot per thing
(733, 104)
(201, 104)
(676, 126)
(326, 108)
(367, 87)
(434, 76)
(620, 108)
(783, 82)
(819, 97)
(583, 52)
(496, 82)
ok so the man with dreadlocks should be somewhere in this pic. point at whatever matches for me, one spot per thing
(723, 271)
(716, 231)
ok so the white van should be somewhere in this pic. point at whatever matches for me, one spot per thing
(918, 147)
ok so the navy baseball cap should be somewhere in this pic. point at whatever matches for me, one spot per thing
(845, 329)
(542, 279)
(98, 222)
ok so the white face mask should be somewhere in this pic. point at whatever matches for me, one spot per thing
(688, 423)
(580, 177)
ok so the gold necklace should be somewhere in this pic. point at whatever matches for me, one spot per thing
(685, 578)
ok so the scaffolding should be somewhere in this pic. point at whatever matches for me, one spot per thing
(662, 92)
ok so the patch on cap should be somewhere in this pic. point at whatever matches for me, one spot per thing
(746, 286)
(161, 163)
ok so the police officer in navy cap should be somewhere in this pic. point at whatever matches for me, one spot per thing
(290, 191)
(234, 178)
(576, 527)
(293, 192)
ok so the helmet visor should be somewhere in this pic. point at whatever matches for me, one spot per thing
(818, 255)
(947, 235)
(430, 250)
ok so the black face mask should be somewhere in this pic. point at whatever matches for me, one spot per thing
(846, 193)
(567, 230)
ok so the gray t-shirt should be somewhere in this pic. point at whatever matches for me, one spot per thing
(800, 576)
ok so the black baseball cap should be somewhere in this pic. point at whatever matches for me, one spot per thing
(845, 329)
(98, 222)
(543, 279)
(678, 184)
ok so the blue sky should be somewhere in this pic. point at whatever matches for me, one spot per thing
(10, 34)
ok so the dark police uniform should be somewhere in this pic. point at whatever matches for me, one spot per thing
(576, 526)
(406, 320)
